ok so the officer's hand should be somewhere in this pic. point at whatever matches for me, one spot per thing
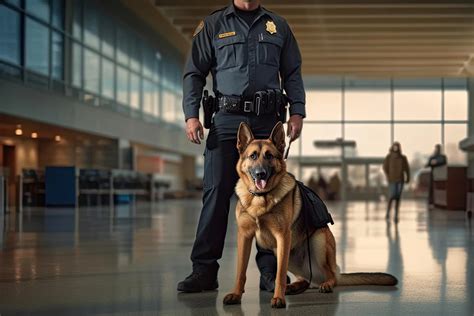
(295, 125)
(194, 130)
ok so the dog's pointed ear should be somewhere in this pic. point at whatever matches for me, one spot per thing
(244, 137)
(277, 137)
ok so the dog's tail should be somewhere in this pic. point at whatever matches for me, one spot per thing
(374, 278)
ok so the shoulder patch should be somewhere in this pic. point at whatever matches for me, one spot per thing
(198, 28)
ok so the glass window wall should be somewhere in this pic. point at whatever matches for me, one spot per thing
(107, 37)
(122, 46)
(91, 71)
(148, 97)
(312, 132)
(372, 140)
(57, 56)
(108, 59)
(360, 101)
(122, 85)
(76, 65)
(38, 8)
(9, 35)
(14, 2)
(455, 105)
(37, 47)
(91, 25)
(168, 106)
(108, 79)
(418, 113)
(57, 13)
(324, 104)
(134, 90)
(77, 19)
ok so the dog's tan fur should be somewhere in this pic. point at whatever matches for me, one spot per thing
(270, 218)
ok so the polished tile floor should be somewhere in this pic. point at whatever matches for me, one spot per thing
(127, 261)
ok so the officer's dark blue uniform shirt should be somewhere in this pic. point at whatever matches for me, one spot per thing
(243, 59)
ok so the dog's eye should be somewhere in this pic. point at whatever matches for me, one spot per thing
(268, 156)
(254, 156)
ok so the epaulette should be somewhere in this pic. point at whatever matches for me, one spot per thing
(267, 10)
(221, 9)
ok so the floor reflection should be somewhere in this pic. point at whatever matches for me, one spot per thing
(128, 259)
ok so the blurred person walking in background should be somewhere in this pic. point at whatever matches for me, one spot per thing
(397, 171)
(334, 187)
(436, 159)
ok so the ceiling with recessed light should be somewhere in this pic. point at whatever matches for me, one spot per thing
(375, 38)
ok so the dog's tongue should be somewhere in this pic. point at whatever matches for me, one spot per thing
(260, 184)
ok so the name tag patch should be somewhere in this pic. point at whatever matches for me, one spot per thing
(226, 34)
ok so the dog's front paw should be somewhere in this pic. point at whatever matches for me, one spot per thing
(278, 302)
(325, 288)
(232, 299)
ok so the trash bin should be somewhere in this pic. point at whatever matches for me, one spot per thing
(60, 185)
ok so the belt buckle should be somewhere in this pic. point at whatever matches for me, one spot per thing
(247, 106)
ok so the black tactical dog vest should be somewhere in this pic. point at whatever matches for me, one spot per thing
(314, 213)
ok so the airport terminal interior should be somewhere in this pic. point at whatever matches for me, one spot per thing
(100, 190)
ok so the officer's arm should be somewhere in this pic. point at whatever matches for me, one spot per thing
(290, 71)
(196, 70)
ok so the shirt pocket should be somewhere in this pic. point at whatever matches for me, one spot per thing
(229, 51)
(269, 49)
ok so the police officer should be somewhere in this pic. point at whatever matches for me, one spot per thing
(249, 51)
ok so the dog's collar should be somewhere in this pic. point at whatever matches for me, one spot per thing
(259, 193)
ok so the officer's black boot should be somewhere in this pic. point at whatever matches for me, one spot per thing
(198, 281)
(267, 264)
(267, 281)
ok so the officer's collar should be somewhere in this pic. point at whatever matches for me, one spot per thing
(231, 10)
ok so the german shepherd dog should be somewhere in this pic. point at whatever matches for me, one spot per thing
(268, 208)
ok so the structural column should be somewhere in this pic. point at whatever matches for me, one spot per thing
(470, 125)
(470, 99)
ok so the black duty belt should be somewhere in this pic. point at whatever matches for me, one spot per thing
(263, 102)
(239, 105)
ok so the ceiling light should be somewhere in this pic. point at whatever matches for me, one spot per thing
(57, 138)
(18, 130)
(34, 135)
(467, 66)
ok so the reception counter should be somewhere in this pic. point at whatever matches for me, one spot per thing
(450, 187)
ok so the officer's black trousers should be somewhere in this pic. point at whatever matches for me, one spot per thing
(220, 177)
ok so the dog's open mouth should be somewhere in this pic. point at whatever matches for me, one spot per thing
(260, 184)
